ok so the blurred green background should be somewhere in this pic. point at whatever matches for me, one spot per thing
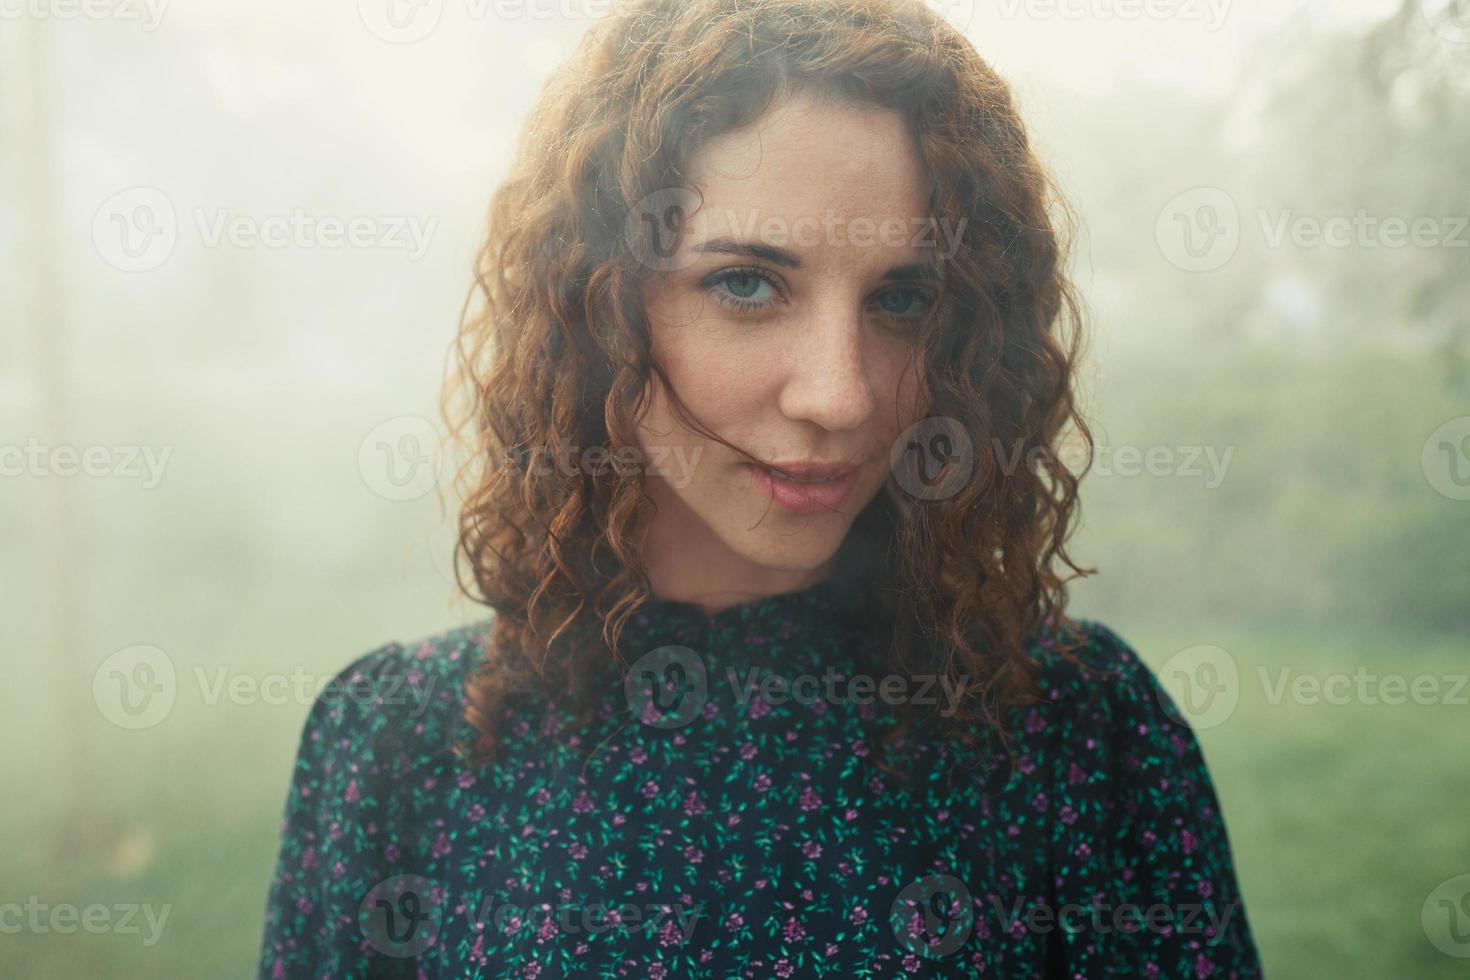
(1327, 377)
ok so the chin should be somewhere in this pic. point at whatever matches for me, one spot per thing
(804, 551)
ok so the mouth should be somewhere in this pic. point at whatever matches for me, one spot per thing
(806, 488)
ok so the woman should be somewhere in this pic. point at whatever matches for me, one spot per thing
(766, 399)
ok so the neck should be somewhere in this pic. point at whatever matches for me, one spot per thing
(688, 562)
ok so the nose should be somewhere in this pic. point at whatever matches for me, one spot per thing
(828, 379)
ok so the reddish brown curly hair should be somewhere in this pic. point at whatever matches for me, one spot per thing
(553, 352)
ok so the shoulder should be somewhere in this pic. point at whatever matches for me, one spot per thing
(398, 703)
(1100, 699)
(1085, 665)
(1107, 721)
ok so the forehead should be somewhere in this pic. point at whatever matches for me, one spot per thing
(811, 159)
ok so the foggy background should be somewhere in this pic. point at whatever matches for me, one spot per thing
(236, 237)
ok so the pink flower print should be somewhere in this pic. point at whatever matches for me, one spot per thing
(650, 789)
(466, 780)
(441, 846)
(693, 805)
(759, 708)
(1189, 841)
(793, 931)
(762, 783)
(809, 799)
(734, 921)
(812, 849)
(352, 795)
(582, 804)
(476, 813)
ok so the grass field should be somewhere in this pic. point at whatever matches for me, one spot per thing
(1344, 817)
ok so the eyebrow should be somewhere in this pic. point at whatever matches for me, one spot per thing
(779, 256)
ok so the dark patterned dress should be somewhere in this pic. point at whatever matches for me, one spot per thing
(732, 821)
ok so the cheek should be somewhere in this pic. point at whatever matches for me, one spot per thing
(715, 368)
(898, 385)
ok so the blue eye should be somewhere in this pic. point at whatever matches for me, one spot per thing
(904, 301)
(741, 289)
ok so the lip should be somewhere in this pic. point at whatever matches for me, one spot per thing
(832, 483)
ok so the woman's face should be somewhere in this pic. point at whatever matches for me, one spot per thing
(785, 321)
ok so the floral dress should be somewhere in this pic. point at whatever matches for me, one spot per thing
(732, 821)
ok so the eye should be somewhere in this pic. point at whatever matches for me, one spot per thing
(745, 289)
(904, 302)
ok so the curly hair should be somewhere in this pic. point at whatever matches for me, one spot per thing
(553, 352)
